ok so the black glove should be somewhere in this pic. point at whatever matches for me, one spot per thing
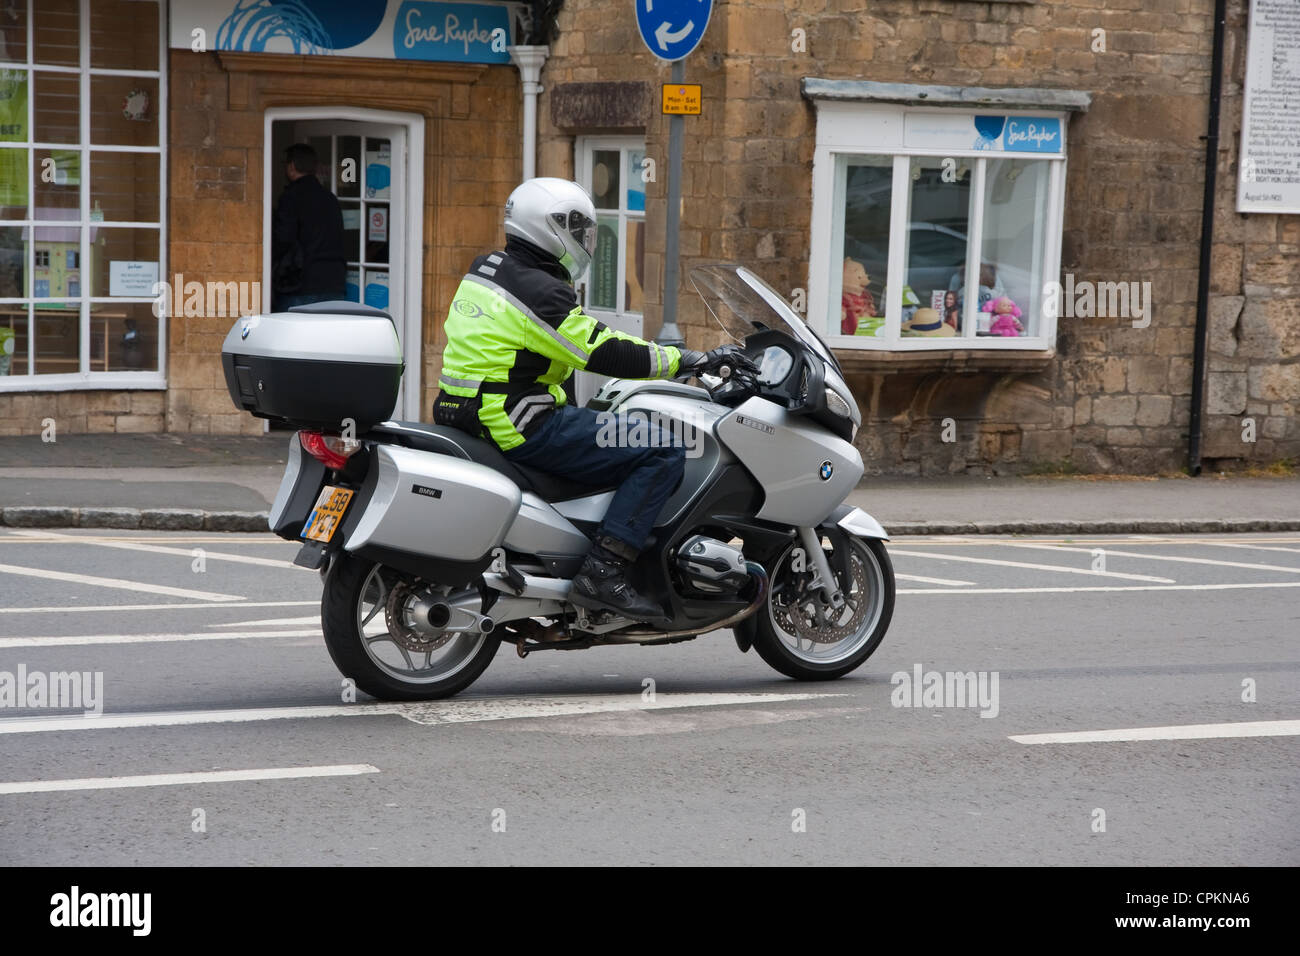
(701, 362)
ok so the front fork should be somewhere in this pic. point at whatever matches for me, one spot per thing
(816, 555)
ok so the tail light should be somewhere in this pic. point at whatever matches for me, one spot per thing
(332, 451)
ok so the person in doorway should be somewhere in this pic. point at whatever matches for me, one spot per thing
(515, 333)
(307, 253)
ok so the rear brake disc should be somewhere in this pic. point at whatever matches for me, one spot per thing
(401, 623)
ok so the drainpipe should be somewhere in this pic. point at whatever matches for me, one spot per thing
(529, 59)
(1207, 245)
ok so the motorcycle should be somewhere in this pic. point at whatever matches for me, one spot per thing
(435, 549)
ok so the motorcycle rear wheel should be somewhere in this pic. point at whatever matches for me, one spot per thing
(354, 621)
(841, 642)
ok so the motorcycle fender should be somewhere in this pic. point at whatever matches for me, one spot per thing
(303, 479)
(843, 522)
(857, 522)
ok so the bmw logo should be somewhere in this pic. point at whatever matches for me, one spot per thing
(826, 470)
(243, 332)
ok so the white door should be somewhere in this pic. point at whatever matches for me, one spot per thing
(365, 165)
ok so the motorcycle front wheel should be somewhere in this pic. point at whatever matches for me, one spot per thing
(361, 616)
(798, 635)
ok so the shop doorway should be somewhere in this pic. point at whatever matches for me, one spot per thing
(365, 161)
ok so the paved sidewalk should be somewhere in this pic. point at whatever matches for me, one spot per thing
(227, 483)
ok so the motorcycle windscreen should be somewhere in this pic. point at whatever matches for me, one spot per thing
(742, 303)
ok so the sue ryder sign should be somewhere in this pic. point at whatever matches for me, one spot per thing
(429, 30)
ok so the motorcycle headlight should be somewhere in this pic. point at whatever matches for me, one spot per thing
(837, 404)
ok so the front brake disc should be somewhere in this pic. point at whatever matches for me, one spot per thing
(806, 615)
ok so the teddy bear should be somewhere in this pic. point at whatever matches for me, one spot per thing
(855, 301)
(1006, 317)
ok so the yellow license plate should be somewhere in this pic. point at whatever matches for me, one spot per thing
(327, 514)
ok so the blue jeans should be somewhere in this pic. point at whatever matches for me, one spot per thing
(565, 445)
(283, 303)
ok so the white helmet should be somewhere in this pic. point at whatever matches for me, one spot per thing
(557, 216)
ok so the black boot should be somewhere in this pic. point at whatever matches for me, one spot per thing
(601, 583)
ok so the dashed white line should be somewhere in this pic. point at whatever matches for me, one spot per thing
(52, 538)
(1032, 567)
(97, 608)
(272, 621)
(945, 581)
(86, 640)
(468, 710)
(1259, 728)
(1108, 588)
(186, 779)
(1111, 553)
(118, 583)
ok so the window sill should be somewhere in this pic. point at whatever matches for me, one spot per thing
(945, 360)
(97, 381)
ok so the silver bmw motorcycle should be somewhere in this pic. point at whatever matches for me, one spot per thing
(435, 549)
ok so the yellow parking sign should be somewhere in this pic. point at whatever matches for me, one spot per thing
(683, 98)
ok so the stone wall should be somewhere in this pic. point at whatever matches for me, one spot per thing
(1114, 397)
(1253, 389)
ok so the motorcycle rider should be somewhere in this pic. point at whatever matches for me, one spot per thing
(515, 333)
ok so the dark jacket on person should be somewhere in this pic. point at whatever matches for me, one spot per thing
(307, 251)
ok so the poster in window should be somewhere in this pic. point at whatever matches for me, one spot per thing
(13, 129)
(604, 265)
(377, 290)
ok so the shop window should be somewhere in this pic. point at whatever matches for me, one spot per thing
(82, 200)
(613, 170)
(935, 228)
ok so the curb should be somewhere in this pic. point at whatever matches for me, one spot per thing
(149, 519)
(182, 519)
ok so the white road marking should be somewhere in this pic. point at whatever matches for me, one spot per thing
(1249, 547)
(188, 553)
(1111, 553)
(119, 583)
(920, 580)
(186, 779)
(272, 621)
(1032, 567)
(435, 712)
(1259, 728)
(97, 608)
(84, 640)
(1114, 587)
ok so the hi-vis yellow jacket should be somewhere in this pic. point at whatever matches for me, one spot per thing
(515, 332)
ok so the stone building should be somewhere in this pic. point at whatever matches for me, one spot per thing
(871, 159)
(802, 107)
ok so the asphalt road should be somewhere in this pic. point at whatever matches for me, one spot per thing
(560, 758)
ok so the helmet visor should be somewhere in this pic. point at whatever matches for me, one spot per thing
(581, 227)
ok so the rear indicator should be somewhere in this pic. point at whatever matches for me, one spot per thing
(332, 451)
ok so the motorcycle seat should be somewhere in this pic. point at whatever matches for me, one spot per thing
(445, 440)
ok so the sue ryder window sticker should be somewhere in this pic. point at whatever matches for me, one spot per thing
(393, 30)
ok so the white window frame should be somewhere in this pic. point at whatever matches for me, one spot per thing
(584, 148)
(85, 378)
(846, 129)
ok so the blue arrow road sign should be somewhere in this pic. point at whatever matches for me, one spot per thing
(671, 29)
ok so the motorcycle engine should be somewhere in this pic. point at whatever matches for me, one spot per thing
(710, 566)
